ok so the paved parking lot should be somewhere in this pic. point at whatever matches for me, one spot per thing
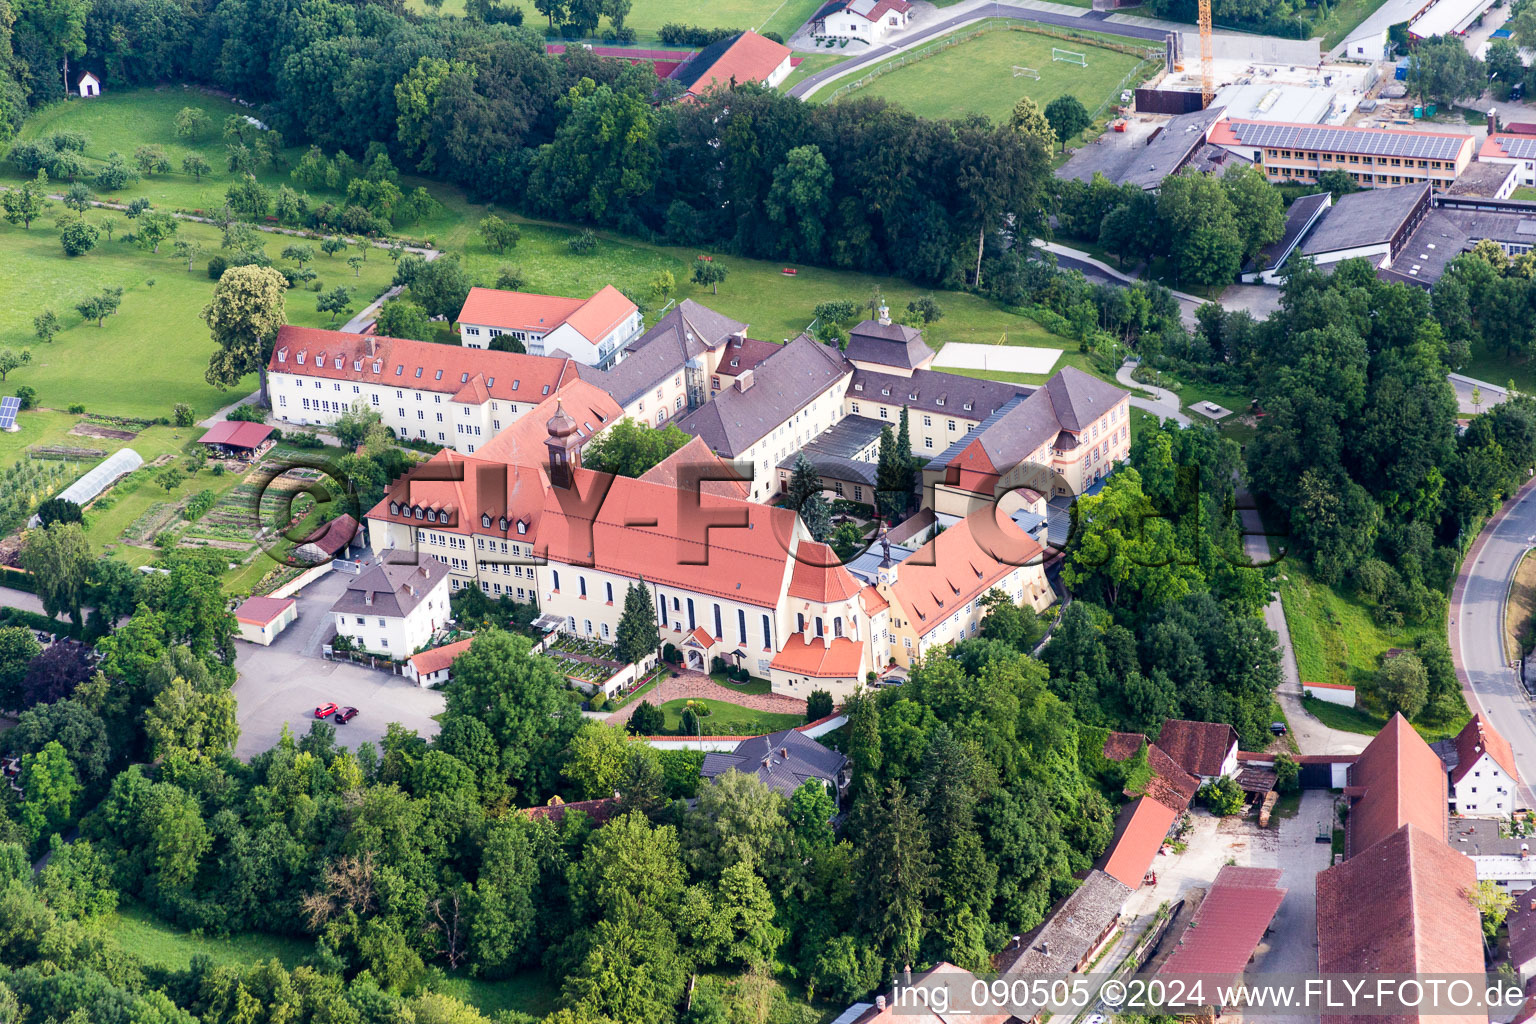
(281, 684)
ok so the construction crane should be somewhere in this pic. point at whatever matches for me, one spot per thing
(1207, 55)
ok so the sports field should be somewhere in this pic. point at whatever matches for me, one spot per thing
(647, 16)
(977, 76)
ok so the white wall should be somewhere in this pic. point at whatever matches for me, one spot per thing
(1331, 694)
(1485, 790)
(397, 636)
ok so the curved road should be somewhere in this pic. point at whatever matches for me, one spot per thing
(1477, 630)
(1092, 21)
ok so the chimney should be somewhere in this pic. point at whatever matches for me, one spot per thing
(767, 761)
(880, 1003)
(373, 345)
(885, 313)
(744, 381)
(739, 338)
(1493, 120)
(784, 753)
(907, 974)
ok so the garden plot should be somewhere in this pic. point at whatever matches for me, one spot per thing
(965, 355)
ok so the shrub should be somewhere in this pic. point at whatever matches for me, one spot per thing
(77, 408)
(304, 439)
(669, 654)
(646, 720)
(216, 267)
(28, 395)
(199, 505)
(247, 413)
(693, 35)
(182, 415)
(818, 705)
(1223, 797)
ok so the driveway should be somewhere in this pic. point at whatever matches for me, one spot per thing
(1477, 629)
(282, 684)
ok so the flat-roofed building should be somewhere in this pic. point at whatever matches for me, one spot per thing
(1372, 157)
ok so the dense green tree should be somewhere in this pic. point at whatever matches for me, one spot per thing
(637, 636)
(1067, 117)
(631, 448)
(60, 559)
(1441, 70)
(243, 316)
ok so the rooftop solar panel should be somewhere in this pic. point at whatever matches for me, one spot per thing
(1351, 140)
(9, 407)
(1519, 148)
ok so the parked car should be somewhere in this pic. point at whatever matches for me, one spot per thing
(345, 715)
(1278, 728)
(325, 710)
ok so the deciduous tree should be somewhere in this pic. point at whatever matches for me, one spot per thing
(243, 317)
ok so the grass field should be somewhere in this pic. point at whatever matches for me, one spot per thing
(647, 16)
(977, 76)
(1359, 720)
(1342, 18)
(726, 719)
(162, 944)
(1335, 638)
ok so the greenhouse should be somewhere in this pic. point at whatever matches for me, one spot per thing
(95, 481)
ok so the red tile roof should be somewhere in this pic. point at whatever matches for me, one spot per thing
(820, 576)
(600, 315)
(466, 373)
(1396, 780)
(694, 464)
(701, 636)
(334, 535)
(732, 549)
(1200, 748)
(959, 565)
(1144, 824)
(1170, 785)
(1118, 746)
(872, 601)
(262, 611)
(522, 443)
(598, 810)
(842, 658)
(751, 58)
(1479, 737)
(237, 434)
(439, 658)
(466, 487)
(1229, 924)
(1400, 907)
(517, 311)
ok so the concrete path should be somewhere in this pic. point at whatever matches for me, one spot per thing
(1164, 403)
(1097, 270)
(1488, 395)
(971, 11)
(1488, 680)
(1311, 735)
(697, 686)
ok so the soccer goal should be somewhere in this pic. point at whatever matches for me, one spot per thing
(1023, 72)
(1069, 57)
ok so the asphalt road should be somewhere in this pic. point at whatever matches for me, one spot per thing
(1092, 22)
(1477, 641)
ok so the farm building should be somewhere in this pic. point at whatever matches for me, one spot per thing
(261, 619)
(238, 439)
(94, 482)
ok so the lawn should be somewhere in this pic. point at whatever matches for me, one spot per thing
(157, 330)
(1335, 638)
(1500, 369)
(811, 63)
(647, 16)
(726, 719)
(1366, 723)
(162, 944)
(1520, 609)
(1525, 192)
(977, 76)
(1343, 17)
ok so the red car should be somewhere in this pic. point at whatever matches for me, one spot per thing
(325, 710)
(345, 715)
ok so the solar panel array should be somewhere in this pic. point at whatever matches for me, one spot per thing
(1350, 140)
(9, 407)
(1521, 148)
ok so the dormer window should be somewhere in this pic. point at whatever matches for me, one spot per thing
(377, 366)
(394, 508)
(968, 406)
(339, 361)
(420, 513)
(912, 396)
(522, 526)
(300, 358)
(282, 355)
(940, 400)
(485, 520)
(502, 524)
(885, 391)
(357, 364)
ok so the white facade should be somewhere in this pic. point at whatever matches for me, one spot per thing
(1485, 790)
(396, 636)
(601, 352)
(855, 22)
(89, 85)
(410, 412)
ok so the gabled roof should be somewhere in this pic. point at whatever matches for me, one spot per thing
(1122, 746)
(1396, 780)
(334, 535)
(694, 466)
(237, 434)
(1369, 217)
(1224, 932)
(1143, 825)
(819, 576)
(262, 611)
(1400, 907)
(747, 58)
(721, 546)
(1072, 930)
(392, 589)
(686, 332)
(1200, 748)
(949, 394)
(782, 760)
(417, 365)
(599, 811)
(836, 658)
(460, 490)
(594, 318)
(522, 443)
(1479, 737)
(956, 567)
(888, 345)
(781, 386)
(1170, 785)
(439, 658)
(1079, 398)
